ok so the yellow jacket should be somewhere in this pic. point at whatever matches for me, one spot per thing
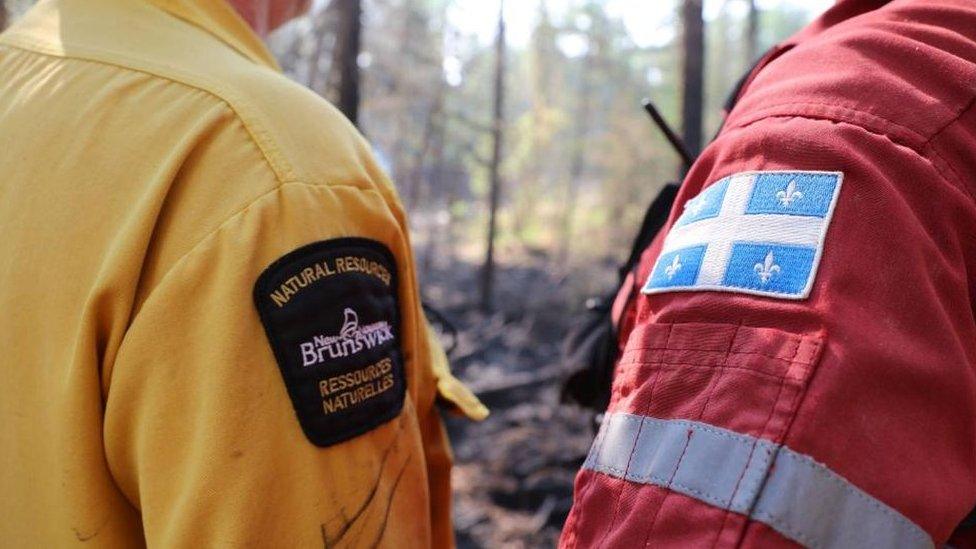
(210, 330)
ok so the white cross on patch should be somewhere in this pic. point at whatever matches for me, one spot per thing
(755, 232)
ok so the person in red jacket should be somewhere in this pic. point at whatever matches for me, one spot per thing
(798, 345)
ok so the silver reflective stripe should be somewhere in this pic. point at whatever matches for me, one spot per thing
(801, 499)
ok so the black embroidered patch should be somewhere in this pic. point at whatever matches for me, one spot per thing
(330, 312)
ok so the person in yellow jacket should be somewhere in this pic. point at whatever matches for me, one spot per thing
(210, 329)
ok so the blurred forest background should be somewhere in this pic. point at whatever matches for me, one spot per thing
(515, 134)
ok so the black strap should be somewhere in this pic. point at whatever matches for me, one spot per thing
(654, 219)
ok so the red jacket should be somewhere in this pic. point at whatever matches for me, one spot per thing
(798, 351)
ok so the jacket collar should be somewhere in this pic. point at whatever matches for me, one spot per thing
(220, 19)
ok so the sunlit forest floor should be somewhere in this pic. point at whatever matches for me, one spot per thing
(514, 474)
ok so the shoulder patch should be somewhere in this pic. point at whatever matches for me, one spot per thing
(759, 233)
(330, 311)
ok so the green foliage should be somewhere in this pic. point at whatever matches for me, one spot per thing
(581, 159)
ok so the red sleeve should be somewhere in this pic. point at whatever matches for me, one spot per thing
(844, 418)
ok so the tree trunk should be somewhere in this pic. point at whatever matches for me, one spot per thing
(402, 167)
(344, 72)
(578, 163)
(437, 231)
(752, 33)
(693, 62)
(4, 17)
(416, 179)
(488, 271)
(323, 25)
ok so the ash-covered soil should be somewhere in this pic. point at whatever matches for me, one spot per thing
(513, 480)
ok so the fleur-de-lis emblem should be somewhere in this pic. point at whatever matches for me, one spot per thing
(674, 267)
(767, 269)
(696, 205)
(789, 195)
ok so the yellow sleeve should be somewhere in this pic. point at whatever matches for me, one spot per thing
(202, 432)
(455, 394)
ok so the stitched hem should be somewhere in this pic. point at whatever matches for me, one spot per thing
(919, 147)
(266, 146)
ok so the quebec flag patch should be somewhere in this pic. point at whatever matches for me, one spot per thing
(759, 233)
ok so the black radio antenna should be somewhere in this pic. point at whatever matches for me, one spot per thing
(676, 142)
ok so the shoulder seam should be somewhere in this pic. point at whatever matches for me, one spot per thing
(794, 109)
(281, 170)
(179, 261)
(918, 148)
(240, 213)
(968, 107)
(930, 143)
